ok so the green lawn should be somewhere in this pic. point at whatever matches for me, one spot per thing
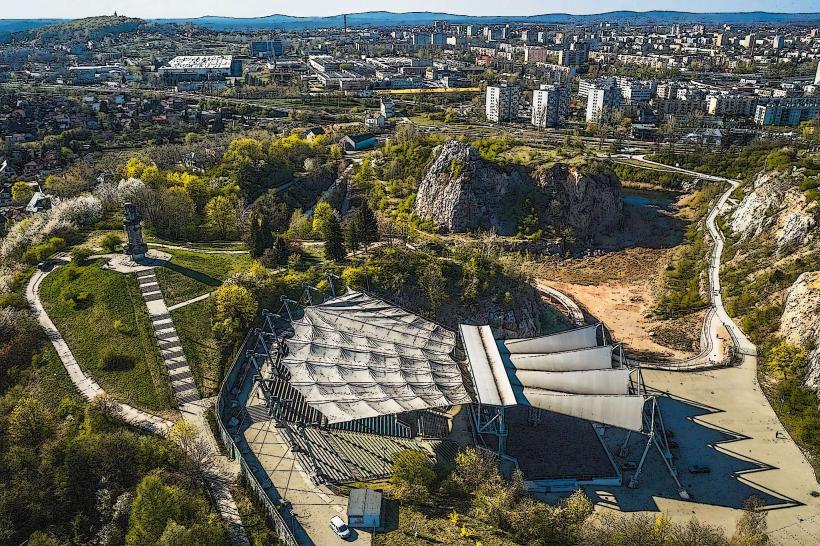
(193, 324)
(48, 380)
(190, 274)
(91, 330)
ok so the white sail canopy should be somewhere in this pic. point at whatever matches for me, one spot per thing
(356, 356)
(567, 373)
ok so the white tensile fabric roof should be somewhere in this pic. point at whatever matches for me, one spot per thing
(355, 356)
(567, 373)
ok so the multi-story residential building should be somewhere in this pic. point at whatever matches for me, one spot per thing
(600, 101)
(733, 104)
(503, 102)
(817, 75)
(779, 41)
(788, 111)
(533, 54)
(634, 91)
(549, 105)
(576, 55)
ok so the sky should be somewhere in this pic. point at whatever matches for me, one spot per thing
(30, 9)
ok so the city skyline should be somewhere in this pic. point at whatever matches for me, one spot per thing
(39, 9)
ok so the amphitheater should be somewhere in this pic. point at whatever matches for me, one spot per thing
(352, 380)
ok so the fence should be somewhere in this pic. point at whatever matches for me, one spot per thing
(280, 526)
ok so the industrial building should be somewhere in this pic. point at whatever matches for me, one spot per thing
(200, 68)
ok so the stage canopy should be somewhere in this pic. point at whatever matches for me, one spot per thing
(355, 356)
(567, 373)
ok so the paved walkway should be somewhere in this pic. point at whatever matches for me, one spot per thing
(217, 469)
(179, 373)
(86, 385)
(189, 302)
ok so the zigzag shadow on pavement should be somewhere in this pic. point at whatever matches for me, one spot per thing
(695, 442)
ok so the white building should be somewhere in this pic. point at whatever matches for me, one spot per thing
(503, 102)
(600, 100)
(200, 67)
(549, 105)
(817, 76)
(388, 108)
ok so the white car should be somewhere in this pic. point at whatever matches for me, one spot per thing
(339, 527)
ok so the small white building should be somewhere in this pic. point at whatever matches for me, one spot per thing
(374, 121)
(364, 509)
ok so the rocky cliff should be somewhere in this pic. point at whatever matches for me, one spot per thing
(776, 209)
(800, 323)
(774, 258)
(462, 192)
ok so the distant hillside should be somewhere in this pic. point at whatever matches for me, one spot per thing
(88, 28)
(385, 18)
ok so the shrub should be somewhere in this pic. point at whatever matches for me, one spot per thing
(110, 242)
(80, 255)
(40, 252)
(413, 475)
(112, 360)
(78, 300)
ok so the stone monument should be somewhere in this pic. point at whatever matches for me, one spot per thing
(136, 247)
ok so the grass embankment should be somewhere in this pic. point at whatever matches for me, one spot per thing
(101, 314)
(680, 283)
(190, 274)
(193, 324)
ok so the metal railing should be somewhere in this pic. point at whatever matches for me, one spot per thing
(280, 526)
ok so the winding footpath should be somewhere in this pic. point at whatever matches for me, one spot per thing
(724, 418)
(216, 468)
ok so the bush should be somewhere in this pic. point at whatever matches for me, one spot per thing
(413, 476)
(112, 361)
(80, 255)
(40, 252)
(110, 242)
(78, 299)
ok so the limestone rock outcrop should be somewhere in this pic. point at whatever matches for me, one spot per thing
(800, 322)
(775, 207)
(462, 192)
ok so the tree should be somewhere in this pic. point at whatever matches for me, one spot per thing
(322, 214)
(234, 308)
(278, 254)
(334, 240)
(368, 225)
(198, 450)
(177, 214)
(413, 475)
(433, 285)
(352, 233)
(222, 215)
(786, 359)
(21, 193)
(258, 236)
(474, 468)
(30, 422)
(155, 505)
